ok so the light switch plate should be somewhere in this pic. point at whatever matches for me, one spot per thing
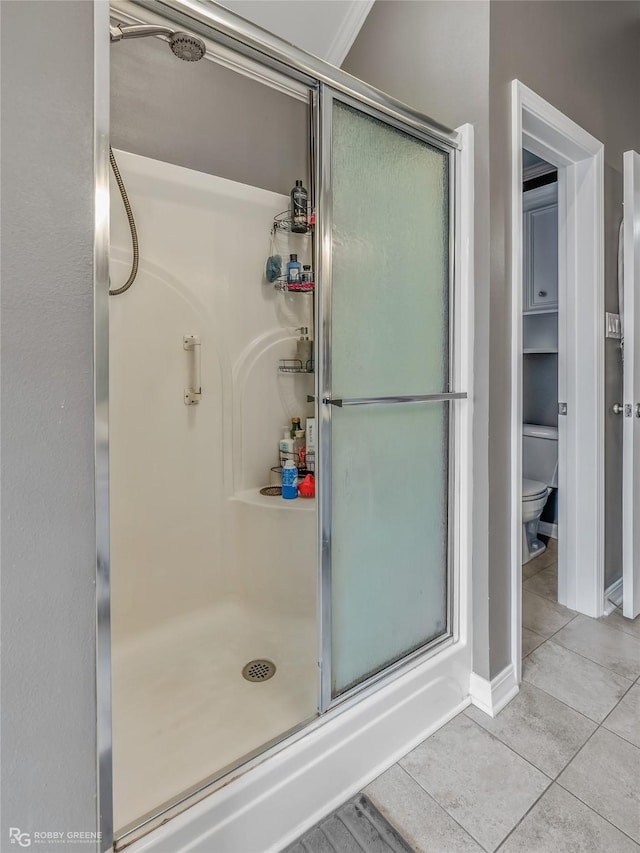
(613, 326)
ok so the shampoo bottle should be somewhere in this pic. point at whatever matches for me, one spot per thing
(299, 199)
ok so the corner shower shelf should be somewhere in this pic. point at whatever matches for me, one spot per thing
(254, 498)
(282, 284)
(294, 365)
(283, 222)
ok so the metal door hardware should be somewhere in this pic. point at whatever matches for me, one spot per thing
(613, 326)
(416, 398)
(562, 408)
(628, 409)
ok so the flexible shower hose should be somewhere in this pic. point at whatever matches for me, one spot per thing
(132, 227)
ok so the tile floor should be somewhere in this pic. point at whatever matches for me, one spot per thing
(558, 770)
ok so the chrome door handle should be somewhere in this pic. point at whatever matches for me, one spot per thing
(617, 408)
(416, 398)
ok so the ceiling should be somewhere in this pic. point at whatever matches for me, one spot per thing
(325, 28)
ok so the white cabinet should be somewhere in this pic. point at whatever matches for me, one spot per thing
(540, 256)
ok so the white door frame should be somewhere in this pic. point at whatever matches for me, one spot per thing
(548, 133)
(631, 428)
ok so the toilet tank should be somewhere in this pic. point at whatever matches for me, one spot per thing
(540, 453)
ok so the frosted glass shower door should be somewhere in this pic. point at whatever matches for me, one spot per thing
(386, 393)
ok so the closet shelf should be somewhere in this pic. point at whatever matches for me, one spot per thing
(540, 350)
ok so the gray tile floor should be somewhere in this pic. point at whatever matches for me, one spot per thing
(558, 770)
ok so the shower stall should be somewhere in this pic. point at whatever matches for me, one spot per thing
(268, 656)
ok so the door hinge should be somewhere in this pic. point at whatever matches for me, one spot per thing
(562, 408)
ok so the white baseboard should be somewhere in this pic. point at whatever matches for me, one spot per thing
(612, 592)
(492, 696)
(548, 529)
(270, 805)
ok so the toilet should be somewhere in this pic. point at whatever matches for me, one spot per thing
(539, 476)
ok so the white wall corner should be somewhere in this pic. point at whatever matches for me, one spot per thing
(492, 696)
(346, 35)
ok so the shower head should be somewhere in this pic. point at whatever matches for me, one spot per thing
(187, 47)
(184, 46)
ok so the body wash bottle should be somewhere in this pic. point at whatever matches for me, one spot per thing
(289, 477)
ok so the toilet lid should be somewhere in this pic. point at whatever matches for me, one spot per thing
(532, 489)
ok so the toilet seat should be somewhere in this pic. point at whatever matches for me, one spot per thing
(533, 490)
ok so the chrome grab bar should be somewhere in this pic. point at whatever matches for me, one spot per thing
(193, 394)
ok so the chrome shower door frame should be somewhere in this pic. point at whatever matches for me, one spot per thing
(422, 132)
(252, 44)
(101, 128)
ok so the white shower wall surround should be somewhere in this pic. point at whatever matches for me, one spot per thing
(206, 573)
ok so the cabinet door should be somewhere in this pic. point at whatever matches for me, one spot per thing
(541, 249)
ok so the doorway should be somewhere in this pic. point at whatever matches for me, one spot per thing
(548, 134)
(540, 452)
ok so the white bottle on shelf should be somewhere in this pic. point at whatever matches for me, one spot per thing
(286, 447)
(311, 434)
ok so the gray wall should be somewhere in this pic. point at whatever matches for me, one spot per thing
(48, 532)
(434, 55)
(583, 57)
(206, 117)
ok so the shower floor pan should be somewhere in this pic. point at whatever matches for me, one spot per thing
(182, 710)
